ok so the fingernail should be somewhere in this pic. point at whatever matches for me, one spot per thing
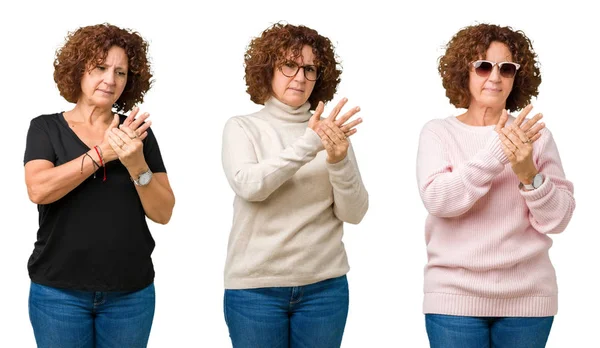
(345, 99)
(358, 108)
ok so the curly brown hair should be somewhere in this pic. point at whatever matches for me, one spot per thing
(471, 43)
(88, 46)
(268, 51)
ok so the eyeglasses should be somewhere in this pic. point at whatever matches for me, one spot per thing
(290, 69)
(484, 68)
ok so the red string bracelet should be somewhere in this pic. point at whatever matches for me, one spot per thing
(101, 161)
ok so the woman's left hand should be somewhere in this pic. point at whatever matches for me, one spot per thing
(334, 140)
(518, 148)
(129, 147)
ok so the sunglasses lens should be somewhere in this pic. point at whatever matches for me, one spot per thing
(483, 68)
(508, 70)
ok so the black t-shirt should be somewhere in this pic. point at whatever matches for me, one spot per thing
(95, 238)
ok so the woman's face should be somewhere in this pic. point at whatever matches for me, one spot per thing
(492, 90)
(103, 85)
(295, 90)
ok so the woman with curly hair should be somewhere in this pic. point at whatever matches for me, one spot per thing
(95, 176)
(494, 188)
(285, 270)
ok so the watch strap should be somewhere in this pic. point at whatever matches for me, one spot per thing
(532, 186)
(528, 186)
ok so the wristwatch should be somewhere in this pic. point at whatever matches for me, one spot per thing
(144, 178)
(538, 179)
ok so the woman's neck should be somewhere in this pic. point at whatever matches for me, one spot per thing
(481, 116)
(89, 114)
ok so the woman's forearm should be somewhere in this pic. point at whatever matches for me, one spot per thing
(552, 204)
(157, 198)
(255, 180)
(448, 191)
(47, 184)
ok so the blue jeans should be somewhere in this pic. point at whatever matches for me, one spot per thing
(309, 316)
(87, 319)
(450, 331)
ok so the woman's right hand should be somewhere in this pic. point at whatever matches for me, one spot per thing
(517, 142)
(317, 124)
(136, 124)
(531, 128)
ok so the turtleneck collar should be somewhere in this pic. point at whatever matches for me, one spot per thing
(284, 112)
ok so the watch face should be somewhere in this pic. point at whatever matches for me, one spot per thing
(538, 180)
(144, 178)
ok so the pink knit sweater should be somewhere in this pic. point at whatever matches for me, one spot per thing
(487, 242)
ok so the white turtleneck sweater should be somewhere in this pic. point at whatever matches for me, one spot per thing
(290, 204)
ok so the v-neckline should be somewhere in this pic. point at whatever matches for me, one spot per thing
(65, 123)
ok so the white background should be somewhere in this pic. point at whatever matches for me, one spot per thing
(389, 56)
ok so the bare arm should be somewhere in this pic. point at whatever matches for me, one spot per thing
(157, 196)
(47, 183)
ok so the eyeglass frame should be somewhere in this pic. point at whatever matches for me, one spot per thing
(298, 69)
(500, 64)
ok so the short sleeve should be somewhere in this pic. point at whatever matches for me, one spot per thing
(38, 144)
(152, 154)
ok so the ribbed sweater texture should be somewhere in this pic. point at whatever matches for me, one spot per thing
(487, 240)
(290, 204)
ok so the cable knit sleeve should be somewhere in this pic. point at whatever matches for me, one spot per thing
(552, 204)
(448, 190)
(350, 198)
(255, 180)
